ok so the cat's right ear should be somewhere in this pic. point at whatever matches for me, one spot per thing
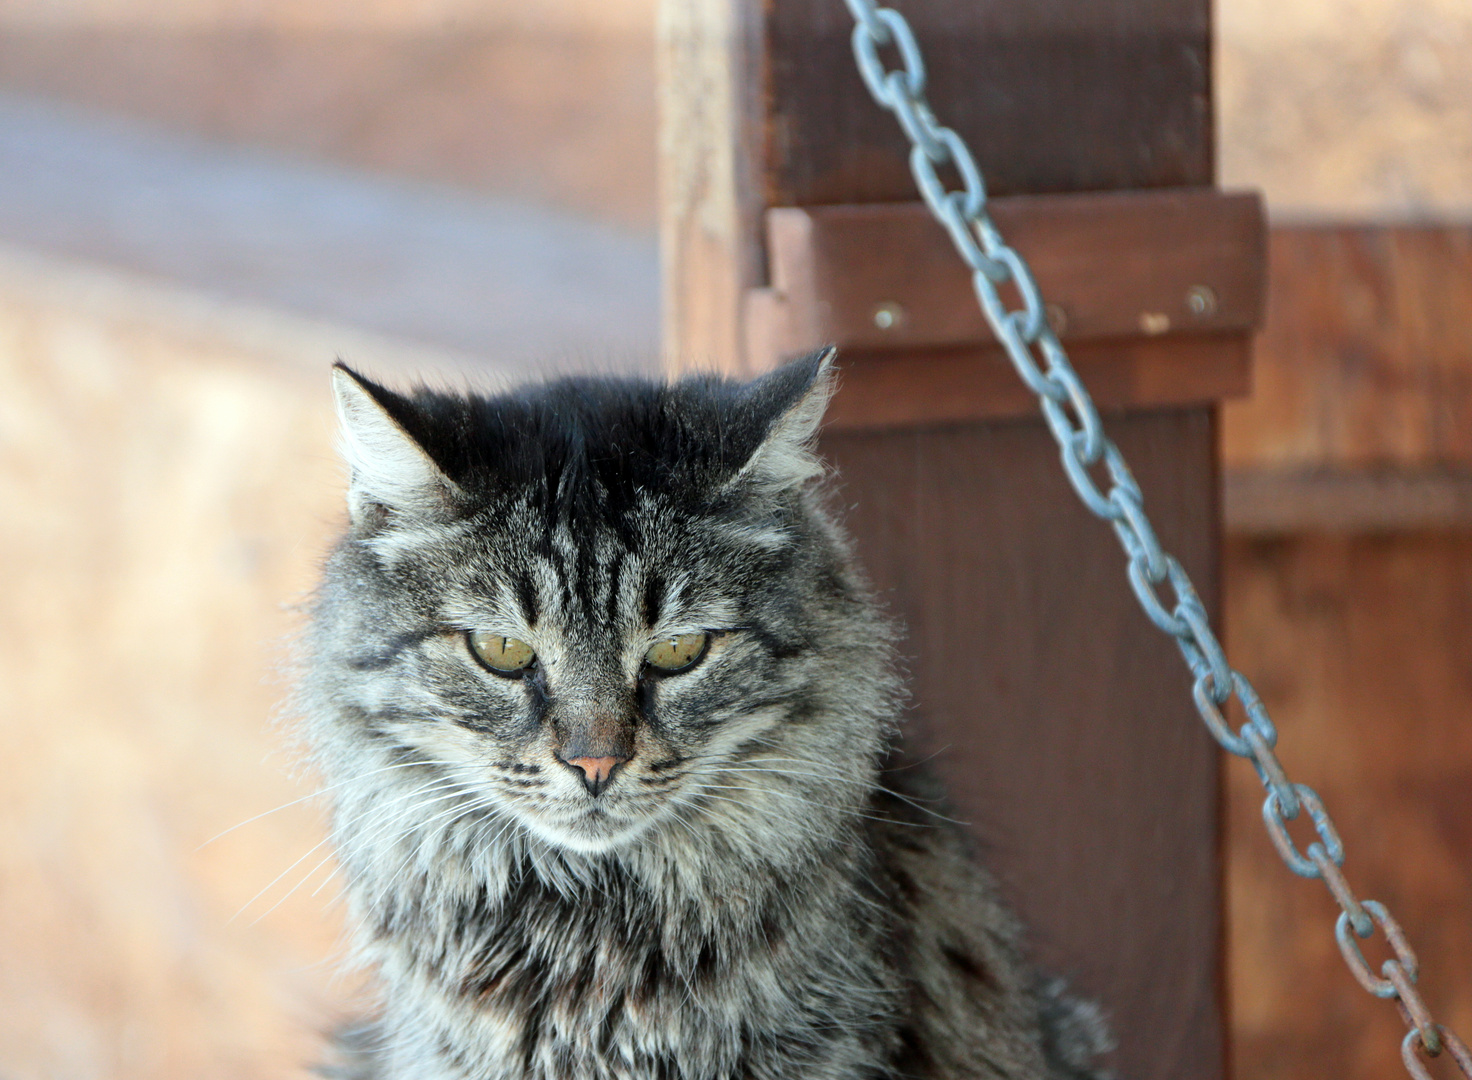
(389, 469)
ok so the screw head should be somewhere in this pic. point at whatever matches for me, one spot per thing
(1201, 301)
(1154, 322)
(889, 315)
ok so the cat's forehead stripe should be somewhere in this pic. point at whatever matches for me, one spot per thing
(526, 596)
(612, 589)
(654, 589)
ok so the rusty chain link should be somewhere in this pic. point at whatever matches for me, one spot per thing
(1041, 362)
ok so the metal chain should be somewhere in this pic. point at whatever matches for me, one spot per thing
(1043, 365)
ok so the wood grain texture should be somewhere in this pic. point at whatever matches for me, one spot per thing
(1108, 263)
(710, 58)
(1020, 82)
(937, 386)
(1059, 718)
(1271, 502)
(762, 106)
(1362, 651)
(1366, 359)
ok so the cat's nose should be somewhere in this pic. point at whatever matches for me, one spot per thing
(597, 771)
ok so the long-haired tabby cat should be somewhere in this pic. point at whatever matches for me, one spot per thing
(606, 709)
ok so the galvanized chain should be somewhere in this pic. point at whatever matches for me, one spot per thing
(1034, 350)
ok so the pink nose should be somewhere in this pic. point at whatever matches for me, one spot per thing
(597, 771)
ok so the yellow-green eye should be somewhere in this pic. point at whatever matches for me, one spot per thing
(676, 653)
(503, 655)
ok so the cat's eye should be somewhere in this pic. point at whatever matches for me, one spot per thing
(503, 655)
(671, 655)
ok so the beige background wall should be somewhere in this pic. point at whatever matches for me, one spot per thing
(1348, 108)
(165, 496)
(1334, 108)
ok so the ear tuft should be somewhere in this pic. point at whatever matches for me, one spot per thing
(795, 396)
(388, 467)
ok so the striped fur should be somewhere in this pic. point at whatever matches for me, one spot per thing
(752, 897)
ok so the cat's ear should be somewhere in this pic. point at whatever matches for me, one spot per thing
(388, 467)
(790, 403)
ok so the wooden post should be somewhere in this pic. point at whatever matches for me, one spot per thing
(1059, 716)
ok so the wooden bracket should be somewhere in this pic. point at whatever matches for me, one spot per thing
(1155, 292)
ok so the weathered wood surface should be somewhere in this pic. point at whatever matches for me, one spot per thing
(941, 386)
(786, 121)
(1280, 503)
(1021, 82)
(1111, 265)
(1366, 360)
(710, 58)
(1001, 579)
(1058, 717)
(1362, 413)
(1361, 648)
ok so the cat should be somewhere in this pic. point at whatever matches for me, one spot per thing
(609, 716)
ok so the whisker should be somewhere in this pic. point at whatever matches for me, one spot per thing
(277, 878)
(313, 795)
(355, 819)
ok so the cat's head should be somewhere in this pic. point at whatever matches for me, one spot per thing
(595, 608)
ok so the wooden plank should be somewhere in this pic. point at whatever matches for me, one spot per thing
(943, 386)
(760, 106)
(709, 58)
(1359, 646)
(1030, 655)
(1366, 359)
(1275, 502)
(1060, 718)
(1113, 264)
(1362, 416)
(1053, 95)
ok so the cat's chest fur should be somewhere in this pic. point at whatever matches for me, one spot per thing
(617, 980)
(606, 708)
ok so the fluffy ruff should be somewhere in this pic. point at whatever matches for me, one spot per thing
(755, 896)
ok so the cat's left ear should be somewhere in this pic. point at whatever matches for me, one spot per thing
(390, 470)
(791, 402)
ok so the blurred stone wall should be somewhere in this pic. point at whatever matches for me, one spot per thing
(1347, 109)
(550, 101)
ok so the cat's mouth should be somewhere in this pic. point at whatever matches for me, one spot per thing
(590, 830)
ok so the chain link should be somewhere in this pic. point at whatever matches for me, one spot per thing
(1042, 363)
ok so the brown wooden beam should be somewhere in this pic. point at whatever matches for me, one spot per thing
(946, 386)
(710, 60)
(1112, 265)
(1052, 95)
(1278, 502)
(1059, 715)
